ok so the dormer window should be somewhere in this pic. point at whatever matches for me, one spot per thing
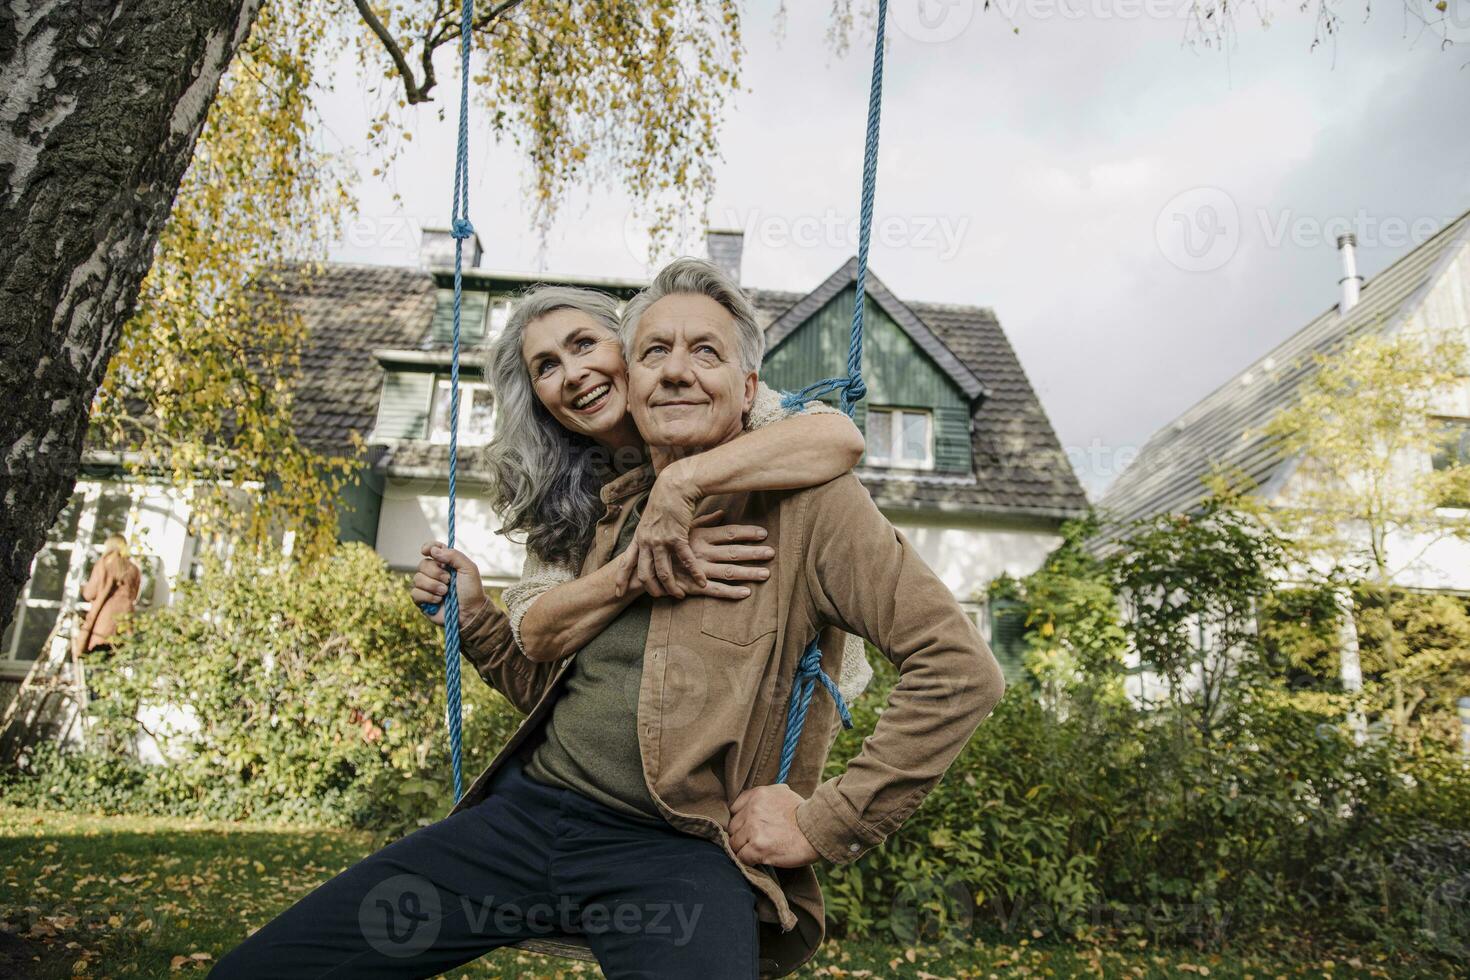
(900, 437)
(476, 413)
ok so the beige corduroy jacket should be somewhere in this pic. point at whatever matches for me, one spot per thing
(717, 680)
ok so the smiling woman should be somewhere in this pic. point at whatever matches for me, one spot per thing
(577, 371)
(559, 345)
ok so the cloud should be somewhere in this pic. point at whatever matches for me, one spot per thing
(1049, 156)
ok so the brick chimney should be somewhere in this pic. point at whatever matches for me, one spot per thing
(725, 249)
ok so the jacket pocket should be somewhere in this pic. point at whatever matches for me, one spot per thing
(744, 621)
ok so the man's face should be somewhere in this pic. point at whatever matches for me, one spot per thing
(686, 388)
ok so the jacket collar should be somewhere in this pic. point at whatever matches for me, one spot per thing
(630, 483)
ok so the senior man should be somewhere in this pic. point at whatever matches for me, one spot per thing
(637, 804)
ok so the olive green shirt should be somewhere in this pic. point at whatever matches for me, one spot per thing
(591, 743)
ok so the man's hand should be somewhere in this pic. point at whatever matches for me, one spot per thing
(763, 828)
(431, 582)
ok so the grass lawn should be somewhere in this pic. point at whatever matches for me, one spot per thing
(158, 897)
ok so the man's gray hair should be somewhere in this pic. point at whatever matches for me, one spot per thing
(544, 479)
(696, 277)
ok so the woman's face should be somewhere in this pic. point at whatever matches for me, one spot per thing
(578, 373)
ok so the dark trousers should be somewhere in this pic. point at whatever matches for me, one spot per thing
(529, 861)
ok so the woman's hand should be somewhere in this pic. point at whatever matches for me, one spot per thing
(722, 556)
(431, 582)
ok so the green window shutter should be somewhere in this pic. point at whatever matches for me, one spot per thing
(952, 439)
(472, 306)
(1008, 637)
(403, 410)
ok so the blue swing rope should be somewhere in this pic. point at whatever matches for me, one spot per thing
(852, 390)
(461, 229)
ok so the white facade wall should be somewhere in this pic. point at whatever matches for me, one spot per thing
(416, 511)
(1430, 562)
(966, 554)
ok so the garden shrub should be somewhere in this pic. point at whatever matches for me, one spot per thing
(316, 693)
(1109, 819)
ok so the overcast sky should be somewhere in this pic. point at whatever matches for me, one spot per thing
(1051, 174)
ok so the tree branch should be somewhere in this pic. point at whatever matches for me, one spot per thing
(494, 14)
(411, 88)
(414, 90)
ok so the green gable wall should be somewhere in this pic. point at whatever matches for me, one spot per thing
(472, 306)
(897, 372)
(403, 410)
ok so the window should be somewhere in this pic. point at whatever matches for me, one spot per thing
(900, 438)
(476, 413)
(50, 604)
(1453, 451)
(500, 307)
(54, 576)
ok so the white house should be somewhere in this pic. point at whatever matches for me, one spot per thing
(961, 454)
(1425, 291)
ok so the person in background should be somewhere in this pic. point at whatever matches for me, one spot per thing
(112, 589)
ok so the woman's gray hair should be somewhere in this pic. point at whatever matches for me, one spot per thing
(545, 480)
(697, 277)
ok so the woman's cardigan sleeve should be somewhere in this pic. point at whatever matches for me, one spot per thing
(537, 577)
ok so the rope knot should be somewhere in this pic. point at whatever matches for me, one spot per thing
(857, 390)
(808, 674)
(810, 664)
(461, 228)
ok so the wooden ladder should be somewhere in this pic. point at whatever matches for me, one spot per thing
(50, 682)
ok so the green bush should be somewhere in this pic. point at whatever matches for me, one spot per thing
(1115, 820)
(317, 694)
(1415, 650)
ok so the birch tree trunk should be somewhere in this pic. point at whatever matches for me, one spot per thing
(100, 104)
